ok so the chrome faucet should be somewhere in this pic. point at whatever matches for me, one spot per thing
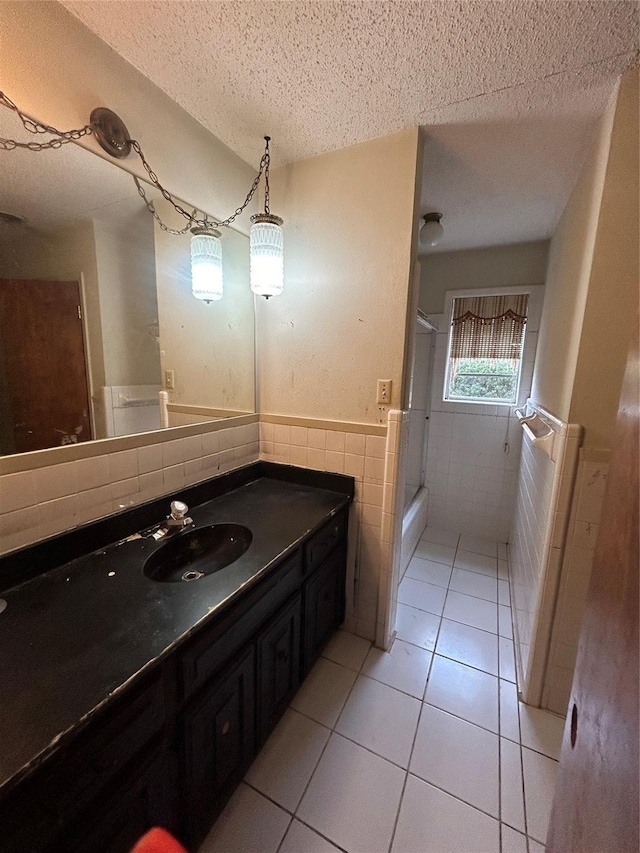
(178, 518)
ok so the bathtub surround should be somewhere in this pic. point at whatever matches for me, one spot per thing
(536, 547)
(471, 480)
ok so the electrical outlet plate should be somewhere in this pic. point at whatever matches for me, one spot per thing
(169, 380)
(384, 391)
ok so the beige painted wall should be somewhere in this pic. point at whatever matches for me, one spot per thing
(127, 286)
(55, 69)
(210, 348)
(340, 323)
(492, 266)
(612, 300)
(567, 281)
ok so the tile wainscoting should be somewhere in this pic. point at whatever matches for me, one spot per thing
(536, 547)
(44, 500)
(586, 509)
(49, 499)
(372, 455)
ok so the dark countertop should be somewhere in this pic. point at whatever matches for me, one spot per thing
(72, 638)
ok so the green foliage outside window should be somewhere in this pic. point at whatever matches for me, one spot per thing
(483, 378)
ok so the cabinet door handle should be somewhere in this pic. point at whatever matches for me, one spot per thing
(226, 727)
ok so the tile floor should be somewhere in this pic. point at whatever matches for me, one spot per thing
(424, 749)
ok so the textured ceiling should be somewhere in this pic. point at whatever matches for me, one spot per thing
(508, 91)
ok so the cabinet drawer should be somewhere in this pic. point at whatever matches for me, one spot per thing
(219, 744)
(209, 652)
(278, 655)
(323, 605)
(323, 543)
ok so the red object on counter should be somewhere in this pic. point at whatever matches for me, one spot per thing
(158, 840)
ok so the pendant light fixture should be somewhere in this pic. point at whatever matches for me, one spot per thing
(206, 264)
(432, 231)
(265, 237)
(266, 244)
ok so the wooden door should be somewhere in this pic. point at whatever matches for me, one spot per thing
(43, 357)
(595, 809)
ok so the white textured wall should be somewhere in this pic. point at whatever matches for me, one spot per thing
(210, 348)
(127, 287)
(567, 282)
(55, 69)
(340, 323)
(491, 266)
(586, 509)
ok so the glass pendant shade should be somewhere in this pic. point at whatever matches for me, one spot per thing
(432, 231)
(206, 264)
(266, 248)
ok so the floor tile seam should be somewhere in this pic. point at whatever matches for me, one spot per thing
(432, 583)
(457, 621)
(478, 572)
(462, 719)
(370, 751)
(433, 654)
(465, 663)
(432, 559)
(422, 610)
(406, 775)
(537, 752)
(293, 816)
(449, 589)
(397, 689)
(455, 796)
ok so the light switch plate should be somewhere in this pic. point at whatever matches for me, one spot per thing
(384, 391)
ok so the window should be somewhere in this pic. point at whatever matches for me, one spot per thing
(485, 349)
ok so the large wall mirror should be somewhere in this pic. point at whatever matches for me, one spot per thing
(96, 311)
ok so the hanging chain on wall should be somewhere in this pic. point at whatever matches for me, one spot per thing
(61, 136)
(100, 128)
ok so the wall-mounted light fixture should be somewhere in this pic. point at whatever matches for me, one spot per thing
(265, 237)
(432, 231)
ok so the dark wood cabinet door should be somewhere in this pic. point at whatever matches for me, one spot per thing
(323, 605)
(218, 745)
(145, 797)
(278, 650)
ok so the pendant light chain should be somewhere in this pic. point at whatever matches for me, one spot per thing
(190, 217)
(266, 158)
(62, 136)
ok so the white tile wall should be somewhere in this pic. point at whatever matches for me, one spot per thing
(374, 462)
(472, 481)
(49, 500)
(536, 547)
(586, 508)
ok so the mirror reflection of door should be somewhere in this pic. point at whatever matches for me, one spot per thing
(44, 398)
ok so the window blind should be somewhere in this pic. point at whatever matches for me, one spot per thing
(489, 326)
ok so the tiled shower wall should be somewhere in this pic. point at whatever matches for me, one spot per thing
(44, 501)
(586, 508)
(472, 481)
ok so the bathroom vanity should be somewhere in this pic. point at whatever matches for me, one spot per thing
(127, 701)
